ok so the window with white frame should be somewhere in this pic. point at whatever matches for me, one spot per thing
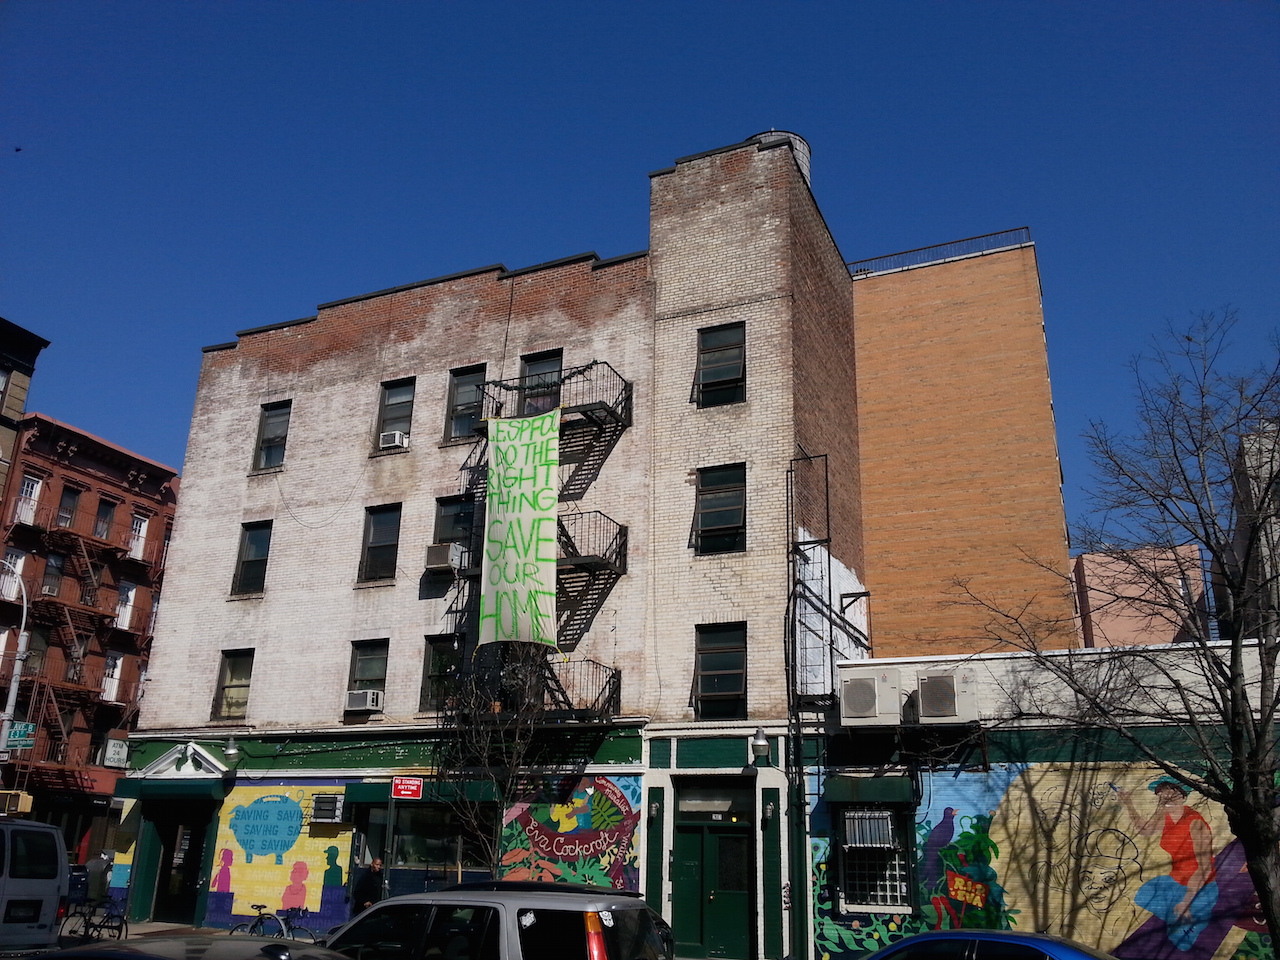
(11, 574)
(875, 859)
(24, 508)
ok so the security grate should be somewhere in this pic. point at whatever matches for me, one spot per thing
(874, 867)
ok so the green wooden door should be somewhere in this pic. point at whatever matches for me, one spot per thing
(712, 891)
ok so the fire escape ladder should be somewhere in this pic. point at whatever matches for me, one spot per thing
(593, 558)
(555, 697)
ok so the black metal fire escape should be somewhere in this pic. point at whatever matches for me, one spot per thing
(595, 404)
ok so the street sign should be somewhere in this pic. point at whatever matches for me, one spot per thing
(22, 736)
(406, 788)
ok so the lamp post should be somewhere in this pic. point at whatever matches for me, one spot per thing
(20, 657)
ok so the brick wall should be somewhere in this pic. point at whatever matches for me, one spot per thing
(960, 473)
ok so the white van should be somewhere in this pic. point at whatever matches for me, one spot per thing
(33, 884)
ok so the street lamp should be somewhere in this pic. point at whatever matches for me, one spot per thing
(19, 658)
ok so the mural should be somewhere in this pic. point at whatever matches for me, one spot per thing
(1116, 856)
(580, 831)
(267, 852)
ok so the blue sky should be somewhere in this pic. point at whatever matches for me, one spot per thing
(189, 169)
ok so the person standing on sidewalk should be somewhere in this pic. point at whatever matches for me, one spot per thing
(368, 889)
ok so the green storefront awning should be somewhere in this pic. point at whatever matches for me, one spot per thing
(846, 789)
(138, 789)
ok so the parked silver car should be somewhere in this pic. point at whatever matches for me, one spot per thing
(507, 921)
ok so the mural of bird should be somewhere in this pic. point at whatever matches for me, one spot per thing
(932, 866)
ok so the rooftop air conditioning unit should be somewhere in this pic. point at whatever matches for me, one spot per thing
(364, 701)
(870, 696)
(326, 808)
(393, 440)
(444, 557)
(946, 696)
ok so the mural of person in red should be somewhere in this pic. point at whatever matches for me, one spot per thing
(295, 894)
(1185, 897)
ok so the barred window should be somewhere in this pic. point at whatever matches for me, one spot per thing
(874, 860)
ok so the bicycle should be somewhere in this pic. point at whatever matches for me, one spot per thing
(84, 923)
(273, 925)
(296, 931)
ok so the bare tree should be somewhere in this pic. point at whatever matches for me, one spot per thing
(1189, 494)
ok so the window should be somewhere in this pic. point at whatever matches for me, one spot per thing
(874, 860)
(465, 397)
(439, 671)
(251, 567)
(273, 431)
(231, 702)
(24, 509)
(381, 542)
(53, 567)
(387, 931)
(103, 522)
(720, 676)
(396, 412)
(11, 574)
(138, 536)
(721, 376)
(127, 593)
(67, 506)
(369, 665)
(455, 520)
(540, 383)
(720, 516)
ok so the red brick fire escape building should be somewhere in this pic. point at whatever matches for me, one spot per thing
(85, 527)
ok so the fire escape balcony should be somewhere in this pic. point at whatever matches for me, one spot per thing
(65, 530)
(525, 685)
(595, 409)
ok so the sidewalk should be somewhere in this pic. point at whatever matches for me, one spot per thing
(151, 928)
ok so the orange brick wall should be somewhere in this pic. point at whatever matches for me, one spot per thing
(960, 473)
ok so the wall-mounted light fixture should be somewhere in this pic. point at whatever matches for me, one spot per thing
(231, 750)
(653, 810)
(760, 747)
(769, 811)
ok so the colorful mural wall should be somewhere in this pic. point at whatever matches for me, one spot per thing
(268, 851)
(585, 834)
(1118, 857)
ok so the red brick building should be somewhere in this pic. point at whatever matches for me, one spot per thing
(85, 528)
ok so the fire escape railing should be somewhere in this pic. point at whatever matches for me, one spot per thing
(590, 394)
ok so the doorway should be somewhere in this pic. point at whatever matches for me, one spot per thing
(714, 874)
(182, 834)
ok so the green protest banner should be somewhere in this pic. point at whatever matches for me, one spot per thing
(518, 572)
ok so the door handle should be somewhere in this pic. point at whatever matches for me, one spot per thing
(711, 895)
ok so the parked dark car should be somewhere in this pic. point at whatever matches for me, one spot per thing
(987, 945)
(196, 948)
(506, 921)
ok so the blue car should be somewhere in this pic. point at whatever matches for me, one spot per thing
(988, 945)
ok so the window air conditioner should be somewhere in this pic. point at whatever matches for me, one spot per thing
(49, 589)
(326, 808)
(364, 701)
(393, 440)
(13, 802)
(444, 557)
(870, 696)
(946, 696)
